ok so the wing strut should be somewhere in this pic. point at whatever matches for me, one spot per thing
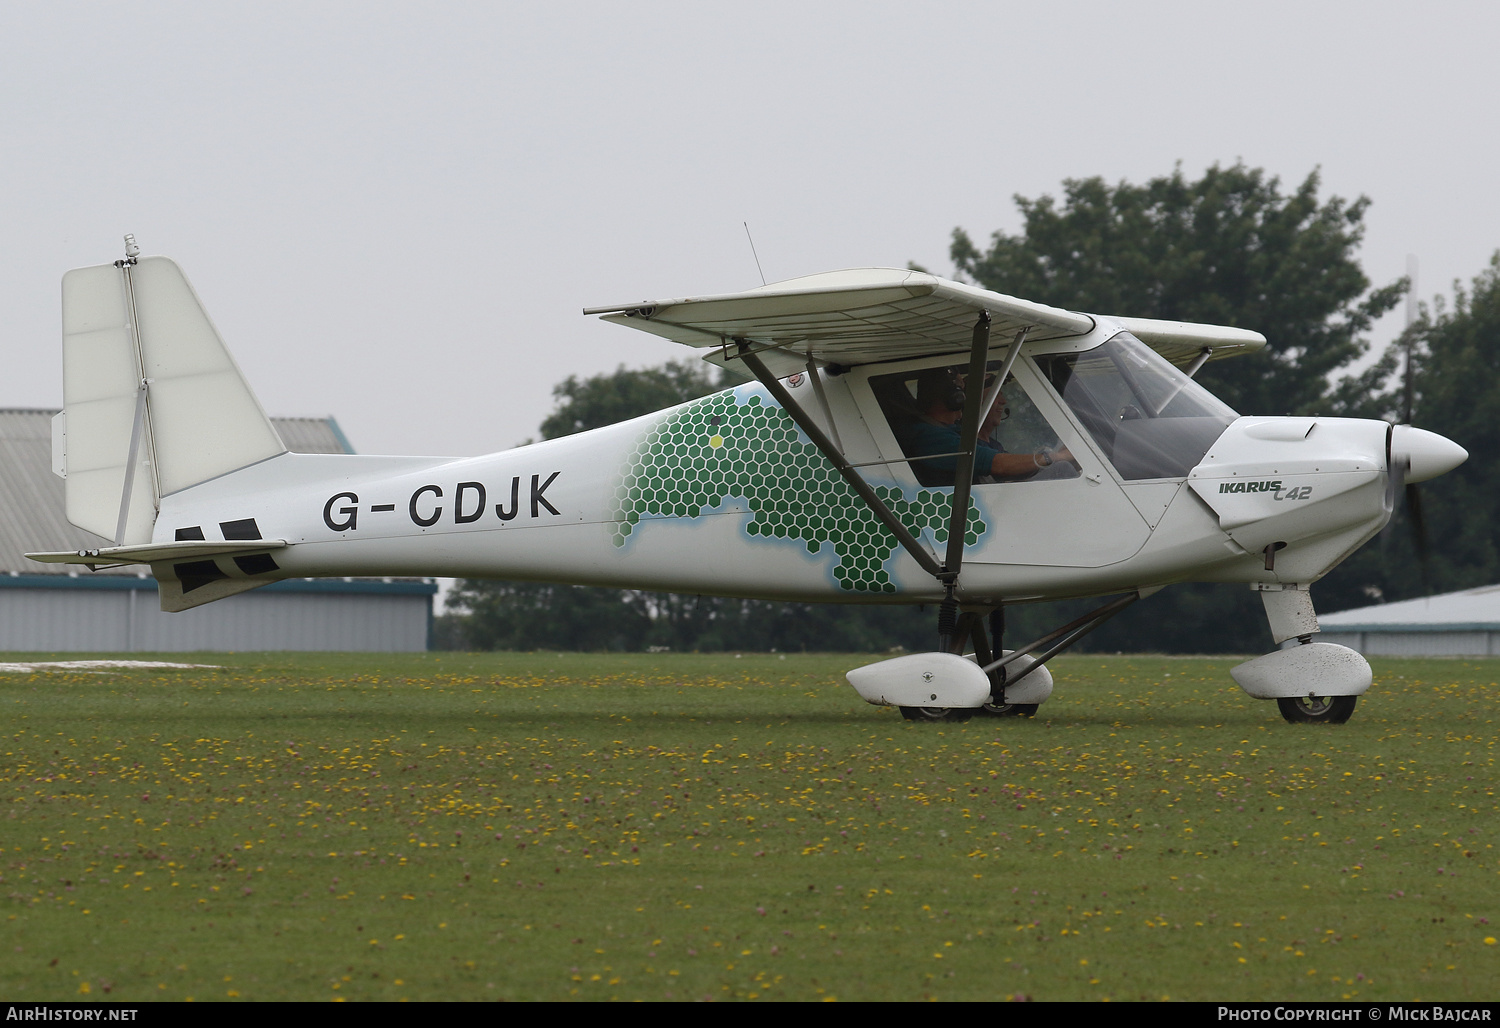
(993, 392)
(977, 402)
(817, 384)
(1191, 370)
(856, 481)
(968, 436)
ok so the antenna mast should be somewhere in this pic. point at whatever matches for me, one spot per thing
(756, 255)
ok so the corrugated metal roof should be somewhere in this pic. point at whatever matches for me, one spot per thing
(312, 435)
(31, 496)
(1465, 611)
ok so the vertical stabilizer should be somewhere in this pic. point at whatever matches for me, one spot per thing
(154, 403)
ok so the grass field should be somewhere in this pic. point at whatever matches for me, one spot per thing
(536, 826)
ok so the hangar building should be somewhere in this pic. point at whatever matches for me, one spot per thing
(1461, 624)
(50, 608)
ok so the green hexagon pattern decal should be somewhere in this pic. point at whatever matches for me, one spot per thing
(721, 448)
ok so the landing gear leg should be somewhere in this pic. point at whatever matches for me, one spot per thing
(953, 634)
(964, 685)
(997, 707)
(1312, 682)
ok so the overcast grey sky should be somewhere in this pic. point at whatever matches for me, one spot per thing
(395, 212)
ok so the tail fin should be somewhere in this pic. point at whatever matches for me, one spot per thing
(153, 402)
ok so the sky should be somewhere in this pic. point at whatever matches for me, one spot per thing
(396, 212)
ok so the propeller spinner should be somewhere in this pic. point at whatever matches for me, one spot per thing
(1422, 454)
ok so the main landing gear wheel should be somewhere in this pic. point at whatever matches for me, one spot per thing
(937, 713)
(1317, 710)
(1009, 710)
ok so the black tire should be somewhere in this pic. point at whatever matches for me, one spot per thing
(937, 713)
(1009, 709)
(1317, 710)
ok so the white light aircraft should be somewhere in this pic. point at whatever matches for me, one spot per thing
(907, 439)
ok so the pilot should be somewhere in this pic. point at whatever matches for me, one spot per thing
(1044, 464)
(940, 402)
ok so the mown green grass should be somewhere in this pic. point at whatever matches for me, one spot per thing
(449, 826)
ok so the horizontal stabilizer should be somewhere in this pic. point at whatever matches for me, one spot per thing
(151, 553)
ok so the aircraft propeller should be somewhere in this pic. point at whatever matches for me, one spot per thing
(1414, 455)
(1406, 453)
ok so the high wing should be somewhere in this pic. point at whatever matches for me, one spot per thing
(868, 315)
(1182, 342)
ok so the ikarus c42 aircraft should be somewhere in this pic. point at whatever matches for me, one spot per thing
(907, 439)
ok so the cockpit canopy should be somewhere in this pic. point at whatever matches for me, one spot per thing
(1150, 419)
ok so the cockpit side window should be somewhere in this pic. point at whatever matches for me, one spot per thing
(1019, 428)
(1149, 418)
(924, 407)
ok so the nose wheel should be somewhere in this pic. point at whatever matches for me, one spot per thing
(1317, 710)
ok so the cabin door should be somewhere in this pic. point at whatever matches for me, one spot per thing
(1046, 496)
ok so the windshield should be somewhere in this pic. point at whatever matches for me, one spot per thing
(1151, 420)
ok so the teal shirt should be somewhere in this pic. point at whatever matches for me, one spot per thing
(919, 437)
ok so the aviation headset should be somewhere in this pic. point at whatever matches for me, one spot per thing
(945, 386)
(940, 385)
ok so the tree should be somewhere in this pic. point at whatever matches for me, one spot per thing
(1458, 391)
(532, 615)
(1456, 374)
(1232, 249)
(608, 399)
(537, 615)
(1227, 249)
(502, 615)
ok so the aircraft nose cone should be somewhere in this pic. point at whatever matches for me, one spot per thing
(1427, 453)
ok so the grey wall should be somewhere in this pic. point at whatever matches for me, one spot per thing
(1417, 644)
(120, 620)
